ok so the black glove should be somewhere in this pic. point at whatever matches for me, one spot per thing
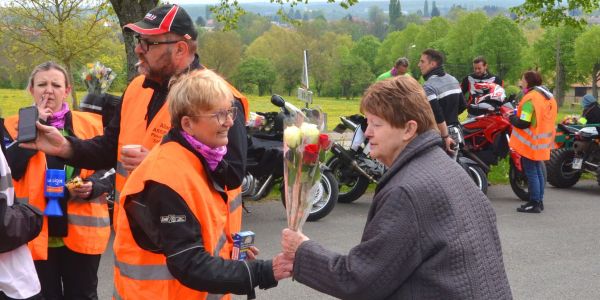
(19, 224)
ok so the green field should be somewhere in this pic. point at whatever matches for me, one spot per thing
(12, 100)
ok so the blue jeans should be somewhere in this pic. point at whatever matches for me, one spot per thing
(535, 178)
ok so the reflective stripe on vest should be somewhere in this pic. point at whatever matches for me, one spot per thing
(524, 140)
(144, 272)
(22, 200)
(89, 221)
(237, 202)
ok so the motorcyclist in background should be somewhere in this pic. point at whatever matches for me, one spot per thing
(480, 75)
(591, 110)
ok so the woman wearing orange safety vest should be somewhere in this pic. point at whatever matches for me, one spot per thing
(173, 238)
(533, 136)
(67, 251)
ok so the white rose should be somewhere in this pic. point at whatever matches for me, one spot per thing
(310, 133)
(292, 136)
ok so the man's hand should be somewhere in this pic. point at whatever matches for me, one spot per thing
(283, 266)
(82, 192)
(50, 141)
(450, 144)
(252, 252)
(131, 158)
(291, 240)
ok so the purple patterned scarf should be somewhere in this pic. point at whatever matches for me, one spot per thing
(212, 155)
(57, 119)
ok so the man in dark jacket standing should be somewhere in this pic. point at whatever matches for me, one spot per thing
(480, 75)
(443, 92)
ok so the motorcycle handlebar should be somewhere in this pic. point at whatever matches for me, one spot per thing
(280, 102)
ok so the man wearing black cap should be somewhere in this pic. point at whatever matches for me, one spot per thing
(166, 48)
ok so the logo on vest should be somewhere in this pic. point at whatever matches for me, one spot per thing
(172, 219)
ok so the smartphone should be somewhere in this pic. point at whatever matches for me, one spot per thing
(28, 116)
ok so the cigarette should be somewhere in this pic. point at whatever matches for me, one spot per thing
(137, 64)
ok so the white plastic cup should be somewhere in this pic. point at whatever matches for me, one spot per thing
(131, 147)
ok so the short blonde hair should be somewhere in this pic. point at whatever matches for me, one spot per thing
(398, 101)
(195, 91)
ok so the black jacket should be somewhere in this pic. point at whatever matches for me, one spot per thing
(101, 151)
(592, 114)
(444, 95)
(197, 269)
(19, 223)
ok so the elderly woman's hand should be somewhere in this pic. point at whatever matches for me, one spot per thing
(291, 240)
(283, 266)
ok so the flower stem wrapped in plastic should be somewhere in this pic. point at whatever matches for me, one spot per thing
(304, 150)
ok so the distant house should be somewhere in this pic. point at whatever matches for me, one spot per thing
(577, 91)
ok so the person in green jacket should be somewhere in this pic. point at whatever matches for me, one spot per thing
(400, 69)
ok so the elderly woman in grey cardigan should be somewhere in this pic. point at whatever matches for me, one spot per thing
(430, 233)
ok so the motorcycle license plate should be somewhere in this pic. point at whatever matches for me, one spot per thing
(577, 161)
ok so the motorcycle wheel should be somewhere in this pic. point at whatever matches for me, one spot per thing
(324, 199)
(351, 185)
(518, 181)
(479, 177)
(559, 167)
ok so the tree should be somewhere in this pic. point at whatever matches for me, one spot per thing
(395, 12)
(367, 48)
(229, 11)
(353, 75)
(284, 48)
(398, 44)
(426, 9)
(131, 11)
(323, 53)
(61, 30)
(256, 71)
(200, 21)
(587, 55)
(377, 22)
(435, 12)
(221, 51)
(555, 53)
(554, 13)
(459, 42)
(251, 26)
(501, 43)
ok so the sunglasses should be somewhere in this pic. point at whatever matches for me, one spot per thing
(221, 115)
(145, 43)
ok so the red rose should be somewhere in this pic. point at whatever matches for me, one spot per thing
(311, 154)
(324, 141)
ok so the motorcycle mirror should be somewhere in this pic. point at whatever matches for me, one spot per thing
(277, 100)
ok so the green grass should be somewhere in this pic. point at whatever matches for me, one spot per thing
(12, 100)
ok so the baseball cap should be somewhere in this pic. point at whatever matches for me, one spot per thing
(163, 19)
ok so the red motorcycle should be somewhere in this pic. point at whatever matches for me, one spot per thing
(486, 139)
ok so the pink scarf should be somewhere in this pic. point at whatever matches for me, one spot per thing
(394, 72)
(57, 119)
(212, 155)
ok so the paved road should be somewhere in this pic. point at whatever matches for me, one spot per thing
(554, 255)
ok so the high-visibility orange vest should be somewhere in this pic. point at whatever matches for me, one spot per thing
(133, 128)
(141, 274)
(536, 141)
(88, 220)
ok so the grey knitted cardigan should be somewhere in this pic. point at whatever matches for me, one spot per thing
(430, 234)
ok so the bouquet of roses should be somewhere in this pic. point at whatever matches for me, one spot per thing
(304, 149)
(97, 78)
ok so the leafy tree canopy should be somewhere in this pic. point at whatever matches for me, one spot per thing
(554, 13)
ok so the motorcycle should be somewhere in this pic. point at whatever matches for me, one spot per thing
(567, 164)
(472, 168)
(353, 168)
(486, 137)
(264, 168)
